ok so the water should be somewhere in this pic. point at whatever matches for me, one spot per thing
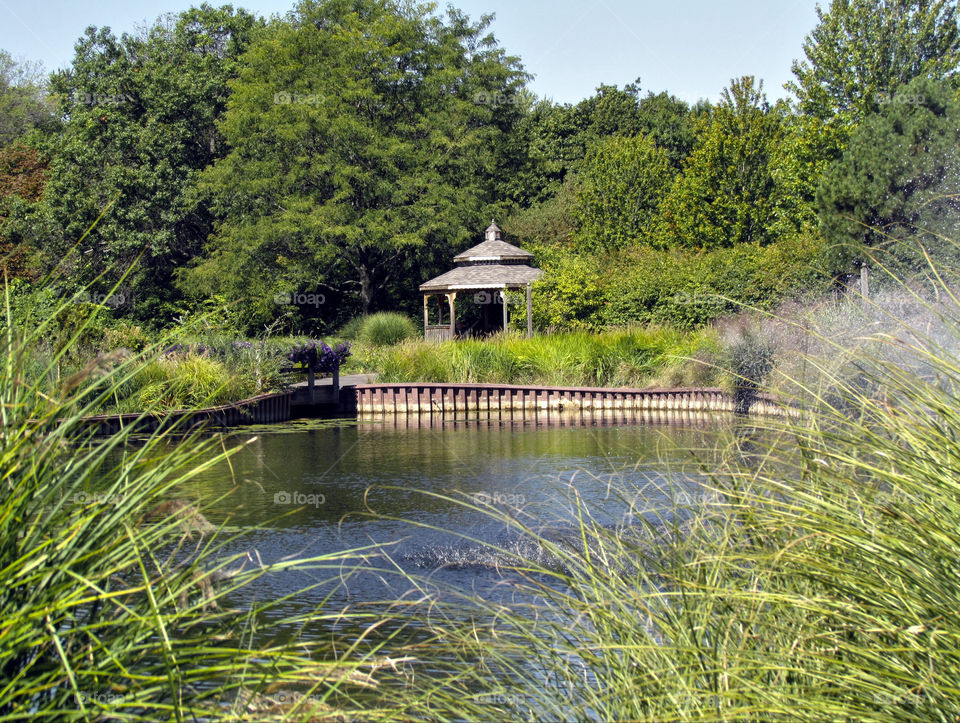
(316, 488)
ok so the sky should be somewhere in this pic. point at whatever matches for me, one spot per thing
(690, 48)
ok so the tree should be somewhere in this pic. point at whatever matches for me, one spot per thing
(727, 193)
(897, 180)
(862, 50)
(620, 186)
(22, 178)
(670, 123)
(363, 134)
(137, 125)
(23, 100)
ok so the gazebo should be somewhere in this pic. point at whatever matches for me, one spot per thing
(489, 270)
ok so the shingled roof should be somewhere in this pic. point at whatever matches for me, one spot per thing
(492, 264)
(487, 276)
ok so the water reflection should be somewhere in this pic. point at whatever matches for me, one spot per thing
(321, 487)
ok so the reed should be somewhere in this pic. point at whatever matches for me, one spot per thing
(815, 577)
(621, 358)
(117, 597)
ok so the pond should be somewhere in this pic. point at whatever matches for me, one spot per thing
(310, 488)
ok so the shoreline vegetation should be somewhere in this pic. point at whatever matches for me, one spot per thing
(816, 576)
(190, 208)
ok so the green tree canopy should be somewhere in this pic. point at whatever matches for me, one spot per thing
(620, 186)
(137, 124)
(897, 179)
(23, 99)
(363, 134)
(727, 192)
(862, 50)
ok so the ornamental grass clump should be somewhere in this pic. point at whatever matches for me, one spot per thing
(814, 576)
(385, 328)
(120, 600)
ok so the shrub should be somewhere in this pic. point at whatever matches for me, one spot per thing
(351, 330)
(385, 328)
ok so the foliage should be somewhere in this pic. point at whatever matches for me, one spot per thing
(22, 178)
(360, 134)
(323, 359)
(863, 51)
(677, 288)
(727, 193)
(136, 126)
(385, 328)
(670, 122)
(23, 100)
(181, 382)
(897, 179)
(570, 294)
(620, 186)
(632, 357)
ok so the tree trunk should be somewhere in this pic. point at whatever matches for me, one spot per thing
(366, 290)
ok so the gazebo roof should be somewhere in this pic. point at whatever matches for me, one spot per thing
(486, 276)
(492, 264)
(493, 251)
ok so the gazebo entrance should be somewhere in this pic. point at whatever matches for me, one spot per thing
(485, 274)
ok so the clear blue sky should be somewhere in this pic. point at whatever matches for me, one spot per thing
(691, 48)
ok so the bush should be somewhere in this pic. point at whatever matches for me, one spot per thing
(386, 328)
(112, 608)
(351, 330)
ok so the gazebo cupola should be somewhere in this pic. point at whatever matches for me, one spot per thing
(489, 270)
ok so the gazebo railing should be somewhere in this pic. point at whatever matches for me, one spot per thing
(437, 332)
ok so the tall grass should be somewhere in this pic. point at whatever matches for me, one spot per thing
(116, 596)
(634, 357)
(817, 578)
(382, 329)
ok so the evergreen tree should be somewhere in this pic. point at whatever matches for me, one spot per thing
(897, 181)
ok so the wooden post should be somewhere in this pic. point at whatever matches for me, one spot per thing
(452, 298)
(529, 312)
(864, 281)
(426, 314)
(506, 318)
